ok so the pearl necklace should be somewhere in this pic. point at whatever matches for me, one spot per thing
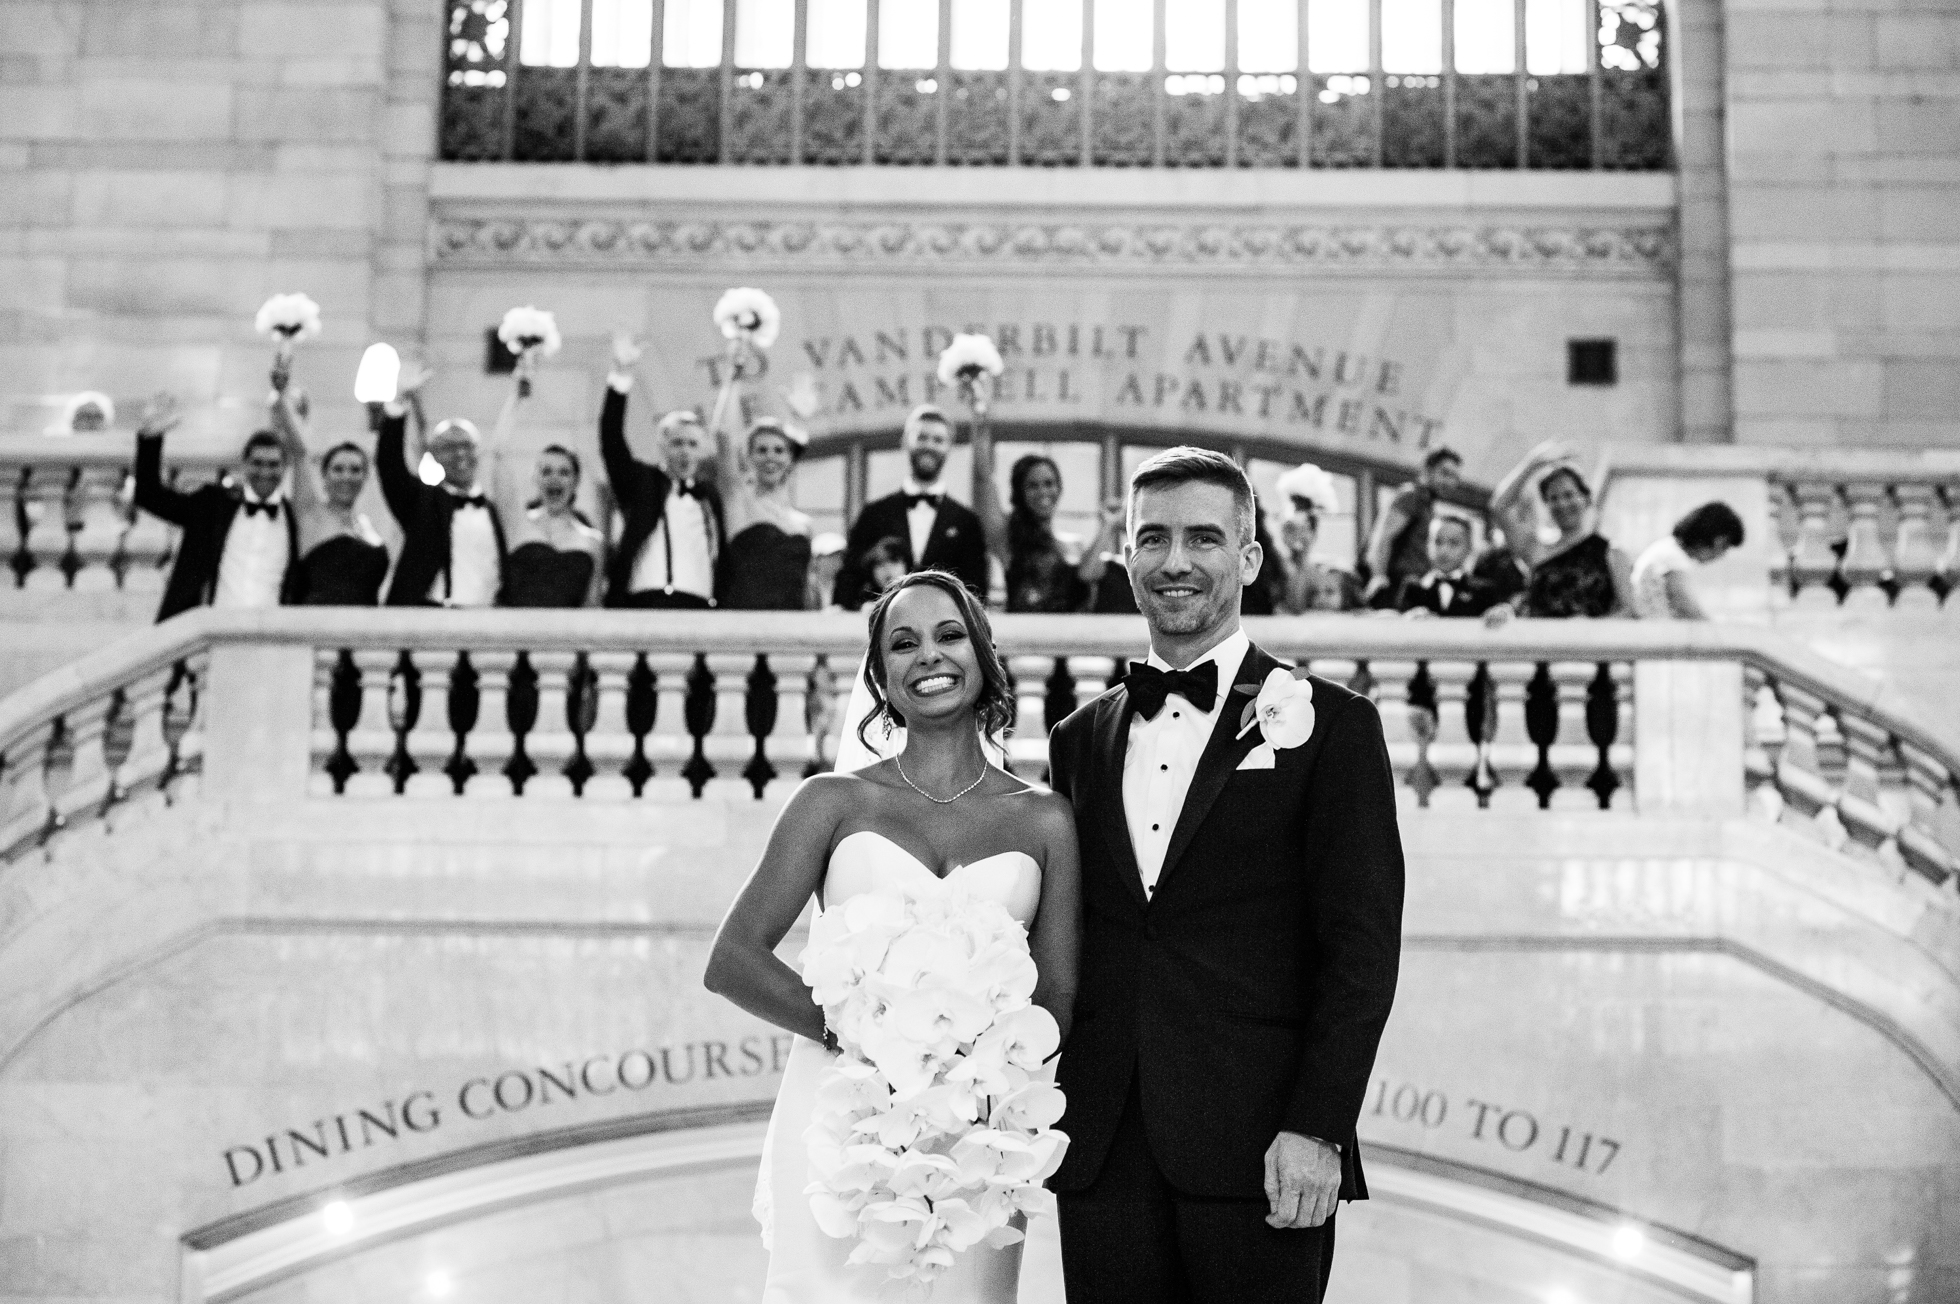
(939, 801)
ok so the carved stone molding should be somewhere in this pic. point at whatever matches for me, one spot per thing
(1645, 250)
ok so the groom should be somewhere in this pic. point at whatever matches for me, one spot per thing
(1242, 887)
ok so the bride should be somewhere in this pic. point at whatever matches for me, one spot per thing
(938, 810)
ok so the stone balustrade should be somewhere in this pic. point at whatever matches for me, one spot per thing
(1862, 529)
(359, 706)
(73, 517)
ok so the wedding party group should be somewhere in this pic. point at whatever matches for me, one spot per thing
(711, 521)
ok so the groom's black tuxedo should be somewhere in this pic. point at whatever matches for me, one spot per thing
(1246, 996)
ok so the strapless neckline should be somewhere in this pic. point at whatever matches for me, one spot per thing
(927, 869)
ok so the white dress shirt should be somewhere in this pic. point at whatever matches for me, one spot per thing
(475, 569)
(252, 567)
(684, 537)
(1163, 757)
(919, 518)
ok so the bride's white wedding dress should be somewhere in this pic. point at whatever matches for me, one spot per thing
(805, 1265)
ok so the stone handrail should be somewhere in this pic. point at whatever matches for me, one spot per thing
(71, 515)
(1869, 528)
(324, 704)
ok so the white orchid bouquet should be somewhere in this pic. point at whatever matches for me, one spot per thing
(964, 362)
(747, 314)
(931, 1129)
(529, 333)
(288, 318)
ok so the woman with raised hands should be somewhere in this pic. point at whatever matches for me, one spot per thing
(342, 560)
(557, 556)
(1574, 570)
(766, 565)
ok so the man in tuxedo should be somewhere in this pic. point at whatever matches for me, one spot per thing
(1242, 893)
(453, 544)
(938, 533)
(239, 541)
(673, 528)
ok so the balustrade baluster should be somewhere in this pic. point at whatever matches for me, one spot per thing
(404, 712)
(1867, 748)
(1915, 561)
(1422, 723)
(1362, 681)
(820, 714)
(1933, 796)
(1059, 704)
(463, 701)
(1602, 730)
(759, 714)
(118, 740)
(1813, 562)
(698, 712)
(343, 714)
(73, 518)
(1949, 563)
(521, 716)
(1799, 772)
(581, 713)
(1541, 722)
(180, 702)
(1866, 569)
(26, 512)
(642, 709)
(1480, 720)
(57, 771)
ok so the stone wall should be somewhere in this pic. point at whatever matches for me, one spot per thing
(166, 166)
(1844, 158)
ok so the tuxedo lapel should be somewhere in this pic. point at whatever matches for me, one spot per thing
(936, 536)
(1222, 754)
(1111, 744)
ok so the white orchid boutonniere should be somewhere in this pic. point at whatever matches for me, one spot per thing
(1283, 711)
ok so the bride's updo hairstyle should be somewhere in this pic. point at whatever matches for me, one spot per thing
(996, 707)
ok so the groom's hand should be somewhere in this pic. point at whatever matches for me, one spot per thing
(1303, 1180)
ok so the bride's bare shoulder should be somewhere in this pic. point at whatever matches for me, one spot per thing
(1044, 805)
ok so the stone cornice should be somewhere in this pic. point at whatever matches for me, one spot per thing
(1642, 250)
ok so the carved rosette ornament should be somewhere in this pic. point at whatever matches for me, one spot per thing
(1633, 250)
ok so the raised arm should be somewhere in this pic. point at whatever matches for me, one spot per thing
(1108, 541)
(1381, 541)
(160, 417)
(986, 498)
(1510, 504)
(400, 486)
(506, 484)
(622, 468)
(309, 494)
(743, 965)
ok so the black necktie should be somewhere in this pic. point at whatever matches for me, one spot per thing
(913, 500)
(1149, 686)
(253, 509)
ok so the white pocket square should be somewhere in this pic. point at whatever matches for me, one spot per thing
(1261, 757)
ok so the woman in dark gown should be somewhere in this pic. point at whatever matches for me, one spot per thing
(766, 565)
(555, 552)
(1045, 570)
(342, 560)
(1577, 574)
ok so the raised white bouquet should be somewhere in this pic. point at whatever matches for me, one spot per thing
(930, 1130)
(527, 328)
(746, 313)
(969, 356)
(288, 318)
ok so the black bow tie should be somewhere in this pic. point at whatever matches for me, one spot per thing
(913, 500)
(690, 489)
(253, 509)
(1149, 686)
(469, 500)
